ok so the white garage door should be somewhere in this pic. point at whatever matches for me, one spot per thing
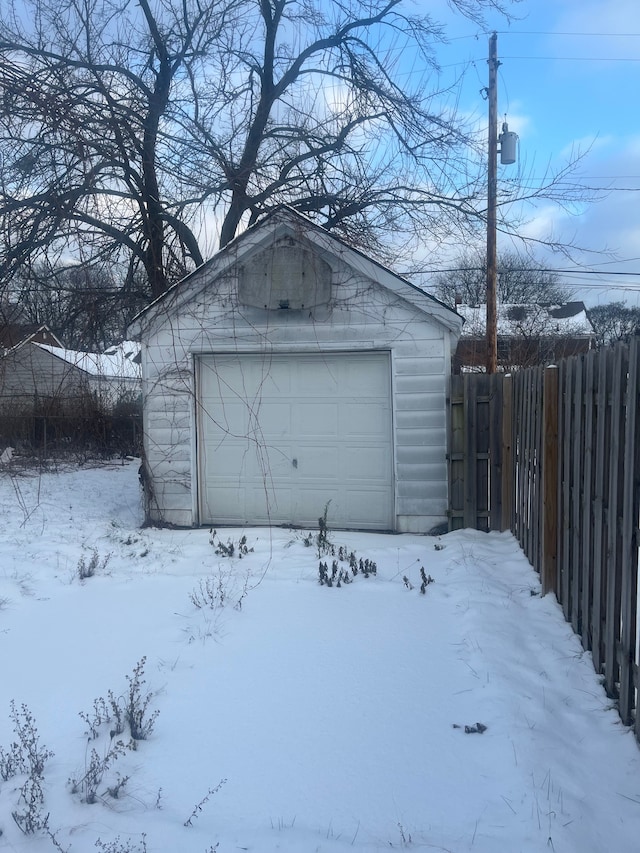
(281, 436)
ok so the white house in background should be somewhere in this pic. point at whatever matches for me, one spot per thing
(292, 373)
(112, 376)
(51, 378)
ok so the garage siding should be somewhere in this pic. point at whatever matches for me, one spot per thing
(367, 317)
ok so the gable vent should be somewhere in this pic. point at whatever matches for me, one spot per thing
(285, 277)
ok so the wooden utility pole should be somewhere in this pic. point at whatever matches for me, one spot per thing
(492, 193)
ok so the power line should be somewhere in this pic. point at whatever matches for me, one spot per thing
(536, 270)
(579, 58)
(482, 34)
(556, 33)
(588, 272)
(604, 285)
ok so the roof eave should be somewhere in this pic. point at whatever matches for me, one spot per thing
(286, 221)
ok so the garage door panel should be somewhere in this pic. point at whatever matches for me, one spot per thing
(318, 463)
(272, 462)
(251, 380)
(318, 379)
(362, 380)
(237, 506)
(266, 381)
(368, 419)
(268, 506)
(221, 382)
(230, 497)
(365, 463)
(228, 465)
(279, 437)
(244, 459)
(363, 505)
(315, 419)
(230, 418)
(311, 503)
(271, 420)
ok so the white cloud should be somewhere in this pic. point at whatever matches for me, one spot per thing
(587, 146)
(610, 22)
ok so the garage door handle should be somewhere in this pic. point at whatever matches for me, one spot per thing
(294, 462)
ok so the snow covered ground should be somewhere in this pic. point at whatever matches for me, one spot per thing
(309, 718)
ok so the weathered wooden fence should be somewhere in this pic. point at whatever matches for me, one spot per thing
(553, 454)
(475, 451)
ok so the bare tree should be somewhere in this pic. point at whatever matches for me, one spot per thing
(85, 306)
(614, 321)
(521, 280)
(124, 126)
(88, 168)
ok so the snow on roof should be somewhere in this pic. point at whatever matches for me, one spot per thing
(119, 361)
(568, 319)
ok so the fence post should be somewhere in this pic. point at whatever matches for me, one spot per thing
(550, 480)
(507, 453)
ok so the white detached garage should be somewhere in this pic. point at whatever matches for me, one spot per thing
(289, 373)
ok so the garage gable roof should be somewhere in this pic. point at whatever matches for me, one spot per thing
(284, 222)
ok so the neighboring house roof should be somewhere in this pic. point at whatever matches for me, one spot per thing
(33, 374)
(283, 222)
(118, 362)
(531, 320)
(14, 334)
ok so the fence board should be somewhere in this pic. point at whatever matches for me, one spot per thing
(586, 603)
(482, 445)
(496, 392)
(565, 538)
(614, 567)
(470, 448)
(507, 453)
(575, 568)
(475, 466)
(529, 471)
(525, 460)
(630, 521)
(456, 453)
(524, 451)
(550, 481)
(536, 497)
(601, 482)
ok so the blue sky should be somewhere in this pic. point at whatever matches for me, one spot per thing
(569, 80)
